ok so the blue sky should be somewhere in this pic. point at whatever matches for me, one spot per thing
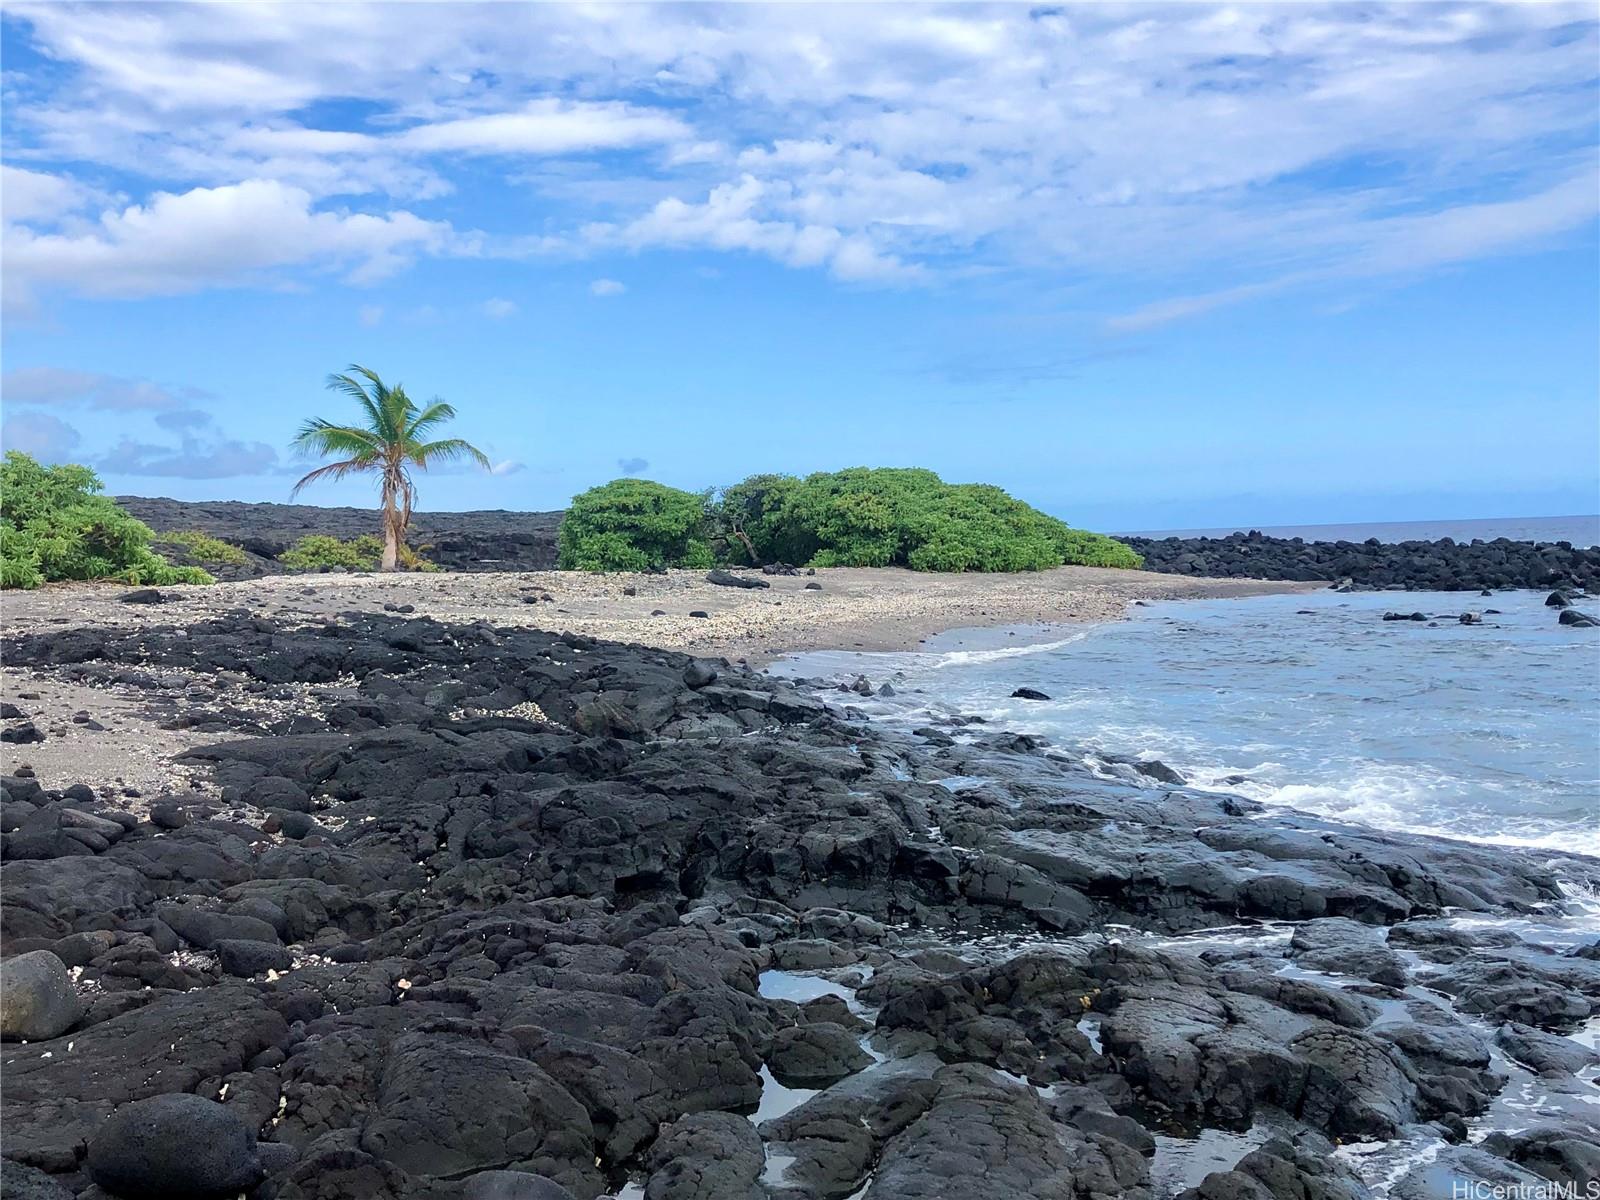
(1146, 267)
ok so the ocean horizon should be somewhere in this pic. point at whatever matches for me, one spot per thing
(1580, 530)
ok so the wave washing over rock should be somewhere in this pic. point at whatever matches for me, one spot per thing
(471, 905)
(1445, 565)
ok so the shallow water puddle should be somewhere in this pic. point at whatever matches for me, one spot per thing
(776, 1100)
(1182, 1163)
(791, 985)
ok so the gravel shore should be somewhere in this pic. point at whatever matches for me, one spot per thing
(843, 608)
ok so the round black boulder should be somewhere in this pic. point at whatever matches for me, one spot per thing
(174, 1147)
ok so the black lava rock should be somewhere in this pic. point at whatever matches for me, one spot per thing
(1028, 693)
(1443, 565)
(246, 958)
(699, 674)
(728, 579)
(174, 1147)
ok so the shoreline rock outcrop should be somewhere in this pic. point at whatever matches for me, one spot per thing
(547, 927)
(1445, 565)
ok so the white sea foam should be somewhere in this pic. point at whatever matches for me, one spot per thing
(968, 658)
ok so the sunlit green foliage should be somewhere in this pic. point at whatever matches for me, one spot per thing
(907, 517)
(55, 524)
(635, 525)
(861, 517)
(319, 551)
(204, 548)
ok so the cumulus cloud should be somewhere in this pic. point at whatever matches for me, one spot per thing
(1253, 146)
(633, 466)
(206, 237)
(48, 438)
(607, 287)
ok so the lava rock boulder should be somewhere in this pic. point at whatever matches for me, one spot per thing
(36, 998)
(174, 1147)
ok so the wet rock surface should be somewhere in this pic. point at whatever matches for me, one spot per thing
(565, 914)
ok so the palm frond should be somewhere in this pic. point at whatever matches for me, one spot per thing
(448, 450)
(321, 437)
(357, 392)
(336, 471)
(435, 414)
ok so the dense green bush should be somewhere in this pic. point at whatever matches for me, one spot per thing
(861, 517)
(317, 551)
(635, 525)
(203, 548)
(55, 524)
(879, 517)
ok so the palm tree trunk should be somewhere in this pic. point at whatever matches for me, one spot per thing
(391, 528)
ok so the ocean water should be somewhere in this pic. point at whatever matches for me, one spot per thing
(1579, 530)
(1487, 733)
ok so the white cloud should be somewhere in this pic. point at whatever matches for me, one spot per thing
(607, 287)
(1411, 243)
(508, 467)
(499, 308)
(1245, 145)
(544, 127)
(370, 315)
(211, 237)
(31, 195)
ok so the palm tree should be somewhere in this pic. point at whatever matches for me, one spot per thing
(389, 442)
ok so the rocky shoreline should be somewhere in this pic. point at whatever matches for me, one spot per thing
(526, 541)
(1440, 566)
(459, 910)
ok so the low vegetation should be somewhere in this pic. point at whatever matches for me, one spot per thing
(860, 517)
(203, 548)
(635, 525)
(55, 524)
(319, 552)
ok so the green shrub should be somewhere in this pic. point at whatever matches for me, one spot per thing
(317, 551)
(204, 548)
(891, 516)
(635, 525)
(55, 525)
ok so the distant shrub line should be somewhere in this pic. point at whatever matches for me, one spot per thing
(860, 517)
